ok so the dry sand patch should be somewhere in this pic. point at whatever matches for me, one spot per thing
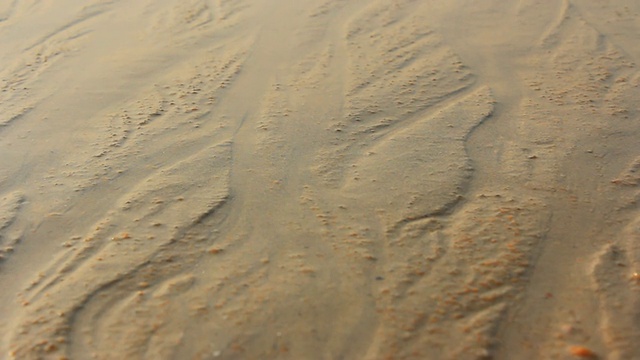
(319, 179)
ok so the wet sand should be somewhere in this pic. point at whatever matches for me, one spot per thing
(326, 179)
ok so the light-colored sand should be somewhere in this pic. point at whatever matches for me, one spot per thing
(326, 179)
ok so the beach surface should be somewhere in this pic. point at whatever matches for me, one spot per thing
(321, 179)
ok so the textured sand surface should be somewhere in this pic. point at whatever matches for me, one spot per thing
(322, 179)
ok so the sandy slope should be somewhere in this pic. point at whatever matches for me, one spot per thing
(327, 179)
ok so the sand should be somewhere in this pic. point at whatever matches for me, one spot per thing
(322, 179)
